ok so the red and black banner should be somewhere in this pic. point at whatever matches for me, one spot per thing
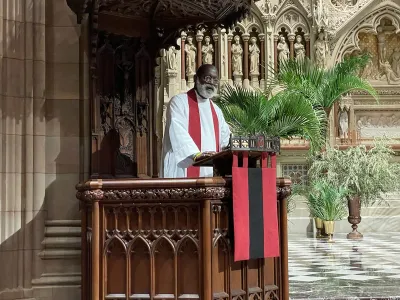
(255, 219)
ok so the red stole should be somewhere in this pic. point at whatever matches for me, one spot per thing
(195, 128)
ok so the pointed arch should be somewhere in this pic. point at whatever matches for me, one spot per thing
(367, 24)
(159, 240)
(114, 238)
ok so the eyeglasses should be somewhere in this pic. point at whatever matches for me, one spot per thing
(211, 80)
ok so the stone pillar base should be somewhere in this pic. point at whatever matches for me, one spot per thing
(246, 83)
(61, 256)
(57, 293)
(171, 83)
(17, 294)
(254, 81)
(183, 85)
(262, 84)
(190, 82)
(237, 80)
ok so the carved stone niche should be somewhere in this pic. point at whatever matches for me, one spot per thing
(123, 101)
(378, 124)
(344, 3)
(383, 46)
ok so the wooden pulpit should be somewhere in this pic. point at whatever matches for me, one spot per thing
(171, 239)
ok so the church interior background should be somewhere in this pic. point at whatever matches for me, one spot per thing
(46, 136)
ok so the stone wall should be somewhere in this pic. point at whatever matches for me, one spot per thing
(43, 94)
(45, 113)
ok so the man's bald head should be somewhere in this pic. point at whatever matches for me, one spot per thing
(206, 69)
(206, 81)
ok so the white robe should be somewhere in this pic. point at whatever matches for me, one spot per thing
(179, 147)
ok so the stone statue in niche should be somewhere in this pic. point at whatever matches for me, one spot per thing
(343, 124)
(367, 43)
(207, 51)
(254, 53)
(283, 49)
(237, 57)
(395, 61)
(299, 48)
(190, 51)
(391, 76)
(381, 43)
(321, 50)
(171, 61)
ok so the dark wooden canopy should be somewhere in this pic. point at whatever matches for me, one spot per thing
(161, 19)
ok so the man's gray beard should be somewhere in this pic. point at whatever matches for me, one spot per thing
(202, 90)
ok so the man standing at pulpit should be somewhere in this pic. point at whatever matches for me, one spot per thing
(195, 128)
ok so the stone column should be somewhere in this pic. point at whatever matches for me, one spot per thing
(261, 37)
(230, 38)
(43, 97)
(307, 39)
(216, 52)
(223, 53)
(199, 39)
(246, 82)
(67, 149)
(183, 64)
(276, 39)
(22, 144)
(291, 38)
(159, 98)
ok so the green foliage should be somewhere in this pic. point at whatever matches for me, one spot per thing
(326, 201)
(364, 173)
(324, 87)
(285, 115)
(300, 108)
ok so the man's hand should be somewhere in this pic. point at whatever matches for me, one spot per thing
(204, 155)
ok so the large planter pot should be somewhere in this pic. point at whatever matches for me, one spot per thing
(320, 226)
(354, 217)
(329, 229)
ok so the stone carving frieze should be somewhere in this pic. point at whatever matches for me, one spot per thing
(383, 125)
(361, 102)
(292, 20)
(339, 15)
(272, 11)
(370, 25)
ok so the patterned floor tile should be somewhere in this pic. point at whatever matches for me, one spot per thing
(367, 269)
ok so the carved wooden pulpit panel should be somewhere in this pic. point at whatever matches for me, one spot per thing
(122, 108)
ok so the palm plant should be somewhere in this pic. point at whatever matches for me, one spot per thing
(324, 87)
(285, 115)
(326, 201)
(301, 108)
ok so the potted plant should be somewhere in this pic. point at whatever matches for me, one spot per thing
(366, 173)
(324, 87)
(301, 106)
(326, 202)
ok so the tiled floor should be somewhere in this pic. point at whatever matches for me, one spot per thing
(367, 269)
